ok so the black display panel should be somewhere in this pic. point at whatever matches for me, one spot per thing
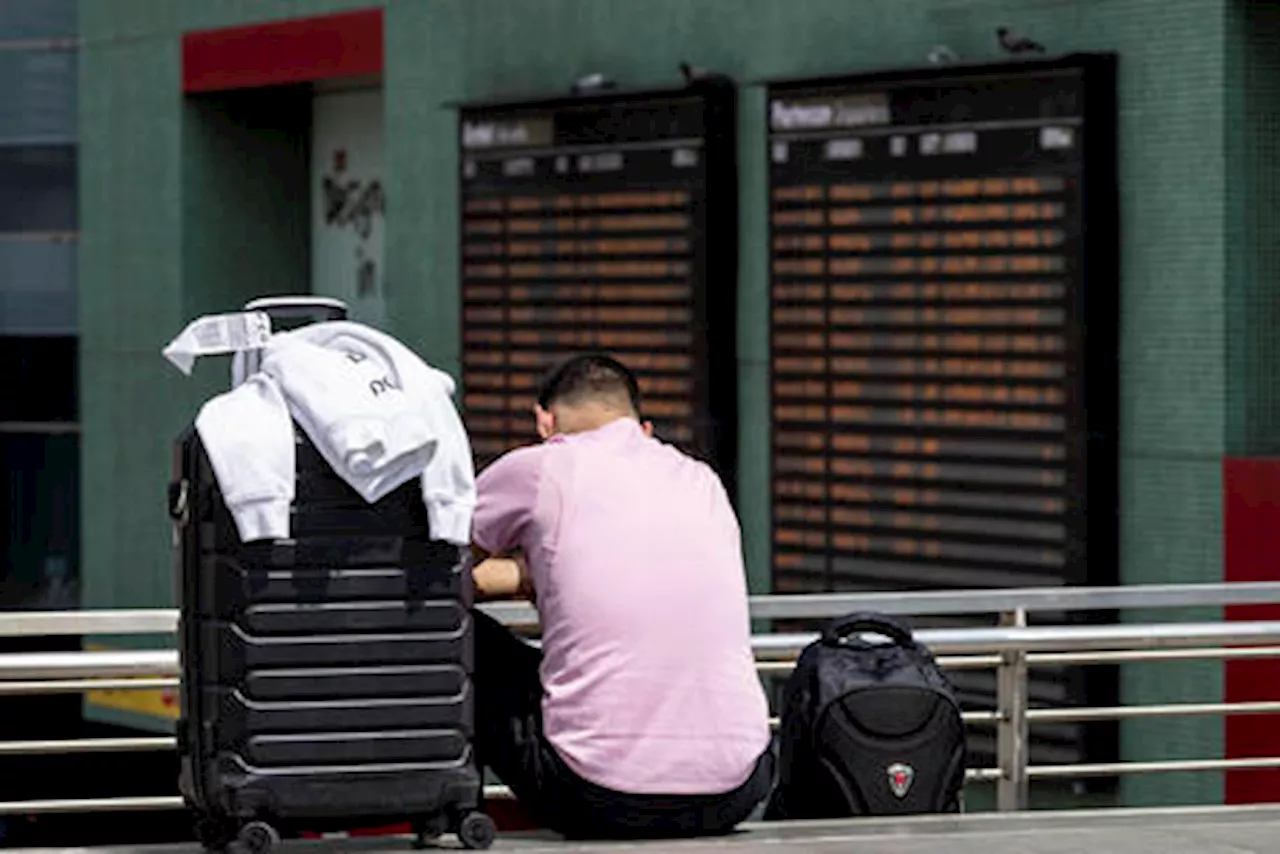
(944, 371)
(606, 223)
(943, 328)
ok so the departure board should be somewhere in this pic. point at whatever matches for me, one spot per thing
(602, 223)
(943, 327)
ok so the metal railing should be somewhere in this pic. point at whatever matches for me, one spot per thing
(1012, 648)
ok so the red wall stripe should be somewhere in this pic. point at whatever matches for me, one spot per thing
(276, 53)
(1251, 552)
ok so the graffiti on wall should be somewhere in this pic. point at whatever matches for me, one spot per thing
(348, 199)
(351, 203)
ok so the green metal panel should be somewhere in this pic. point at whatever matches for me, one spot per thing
(423, 69)
(1172, 530)
(203, 15)
(190, 206)
(151, 175)
(130, 298)
(1253, 232)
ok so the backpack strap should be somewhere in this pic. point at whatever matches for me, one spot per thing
(881, 624)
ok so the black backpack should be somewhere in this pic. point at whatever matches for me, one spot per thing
(868, 728)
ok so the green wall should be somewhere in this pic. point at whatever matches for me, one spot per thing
(164, 202)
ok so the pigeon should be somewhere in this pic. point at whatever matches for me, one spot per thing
(692, 73)
(595, 82)
(942, 55)
(1016, 43)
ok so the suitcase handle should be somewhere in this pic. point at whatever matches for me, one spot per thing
(837, 630)
(179, 501)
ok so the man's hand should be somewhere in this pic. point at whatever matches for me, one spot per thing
(502, 578)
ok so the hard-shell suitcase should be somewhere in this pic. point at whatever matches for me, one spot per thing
(326, 679)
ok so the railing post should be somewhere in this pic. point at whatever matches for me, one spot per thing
(1011, 731)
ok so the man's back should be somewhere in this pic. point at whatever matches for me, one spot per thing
(635, 556)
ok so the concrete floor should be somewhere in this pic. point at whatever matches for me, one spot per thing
(1207, 830)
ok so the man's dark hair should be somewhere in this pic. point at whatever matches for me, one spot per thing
(591, 376)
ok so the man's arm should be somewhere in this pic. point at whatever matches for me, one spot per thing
(506, 492)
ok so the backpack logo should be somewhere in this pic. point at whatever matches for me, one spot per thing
(901, 776)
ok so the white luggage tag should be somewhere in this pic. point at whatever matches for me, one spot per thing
(218, 334)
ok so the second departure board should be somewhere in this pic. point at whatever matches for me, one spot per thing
(602, 223)
(943, 327)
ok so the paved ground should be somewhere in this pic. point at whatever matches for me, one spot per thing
(1240, 830)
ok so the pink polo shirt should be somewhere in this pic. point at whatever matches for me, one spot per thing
(636, 560)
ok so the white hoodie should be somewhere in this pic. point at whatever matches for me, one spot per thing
(248, 437)
(422, 432)
(377, 413)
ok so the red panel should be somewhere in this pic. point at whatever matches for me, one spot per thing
(299, 50)
(1251, 533)
(508, 816)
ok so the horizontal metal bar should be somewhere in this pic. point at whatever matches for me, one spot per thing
(973, 775)
(1110, 769)
(79, 686)
(511, 613)
(25, 666)
(1032, 599)
(85, 745)
(1122, 656)
(63, 623)
(76, 686)
(79, 805)
(980, 717)
(1166, 710)
(808, 606)
(968, 662)
(109, 664)
(1056, 638)
(946, 662)
(164, 621)
(775, 666)
(122, 745)
(979, 775)
(497, 792)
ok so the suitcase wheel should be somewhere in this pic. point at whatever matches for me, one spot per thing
(477, 831)
(256, 837)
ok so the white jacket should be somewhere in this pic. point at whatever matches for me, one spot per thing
(248, 437)
(398, 383)
(377, 413)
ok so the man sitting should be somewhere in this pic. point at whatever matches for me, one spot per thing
(642, 715)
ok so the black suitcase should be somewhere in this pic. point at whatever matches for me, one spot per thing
(868, 728)
(326, 679)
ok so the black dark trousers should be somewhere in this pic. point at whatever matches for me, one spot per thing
(510, 740)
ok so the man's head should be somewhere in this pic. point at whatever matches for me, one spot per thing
(584, 393)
